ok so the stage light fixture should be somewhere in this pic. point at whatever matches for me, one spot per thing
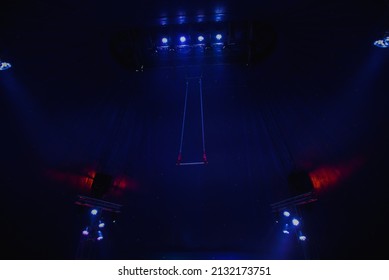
(4, 65)
(164, 40)
(100, 235)
(286, 213)
(286, 229)
(295, 222)
(85, 231)
(302, 238)
(381, 43)
(182, 39)
(200, 38)
(219, 36)
(101, 224)
(94, 212)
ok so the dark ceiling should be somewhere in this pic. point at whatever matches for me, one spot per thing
(316, 100)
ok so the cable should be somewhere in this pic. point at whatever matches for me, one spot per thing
(179, 158)
(202, 121)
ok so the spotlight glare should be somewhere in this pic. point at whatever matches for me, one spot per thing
(200, 38)
(94, 212)
(164, 40)
(219, 36)
(4, 65)
(182, 39)
(381, 43)
(85, 232)
(101, 224)
(295, 222)
(302, 237)
(286, 213)
(285, 231)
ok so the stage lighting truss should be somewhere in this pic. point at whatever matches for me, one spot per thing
(4, 65)
(294, 201)
(98, 204)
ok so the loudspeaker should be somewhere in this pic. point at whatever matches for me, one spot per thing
(299, 182)
(101, 184)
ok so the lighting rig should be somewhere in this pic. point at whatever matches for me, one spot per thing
(193, 43)
(288, 212)
(100, 186)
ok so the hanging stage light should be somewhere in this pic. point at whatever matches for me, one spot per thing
(384, 42)
(101, 224)
(99, 235)
(164, 40)
(219, 36)
(200, 38)
(286, 213)
(85, 231)
(4, 65)
(94, 212)
(381, 43)
(302, 237)
(295, 222)
(182, 39)
(286, 229)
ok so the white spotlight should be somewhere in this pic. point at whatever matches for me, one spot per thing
(4, 65)
(381, 43)
(286, 213)
(295, 222)
(99, 235)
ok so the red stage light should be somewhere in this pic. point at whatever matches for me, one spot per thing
(328, 176)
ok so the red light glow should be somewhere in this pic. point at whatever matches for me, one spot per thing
(75, 180)
(123, 182)
(325, 177)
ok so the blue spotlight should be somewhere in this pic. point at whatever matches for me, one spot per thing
(286, 213)
(4, 65)
(200, 38)
(94, 212)
(101, 224)
(164, 40)
(295, 222)
(85, 231)
(99, 235)
(182, 39)
(219, 36)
